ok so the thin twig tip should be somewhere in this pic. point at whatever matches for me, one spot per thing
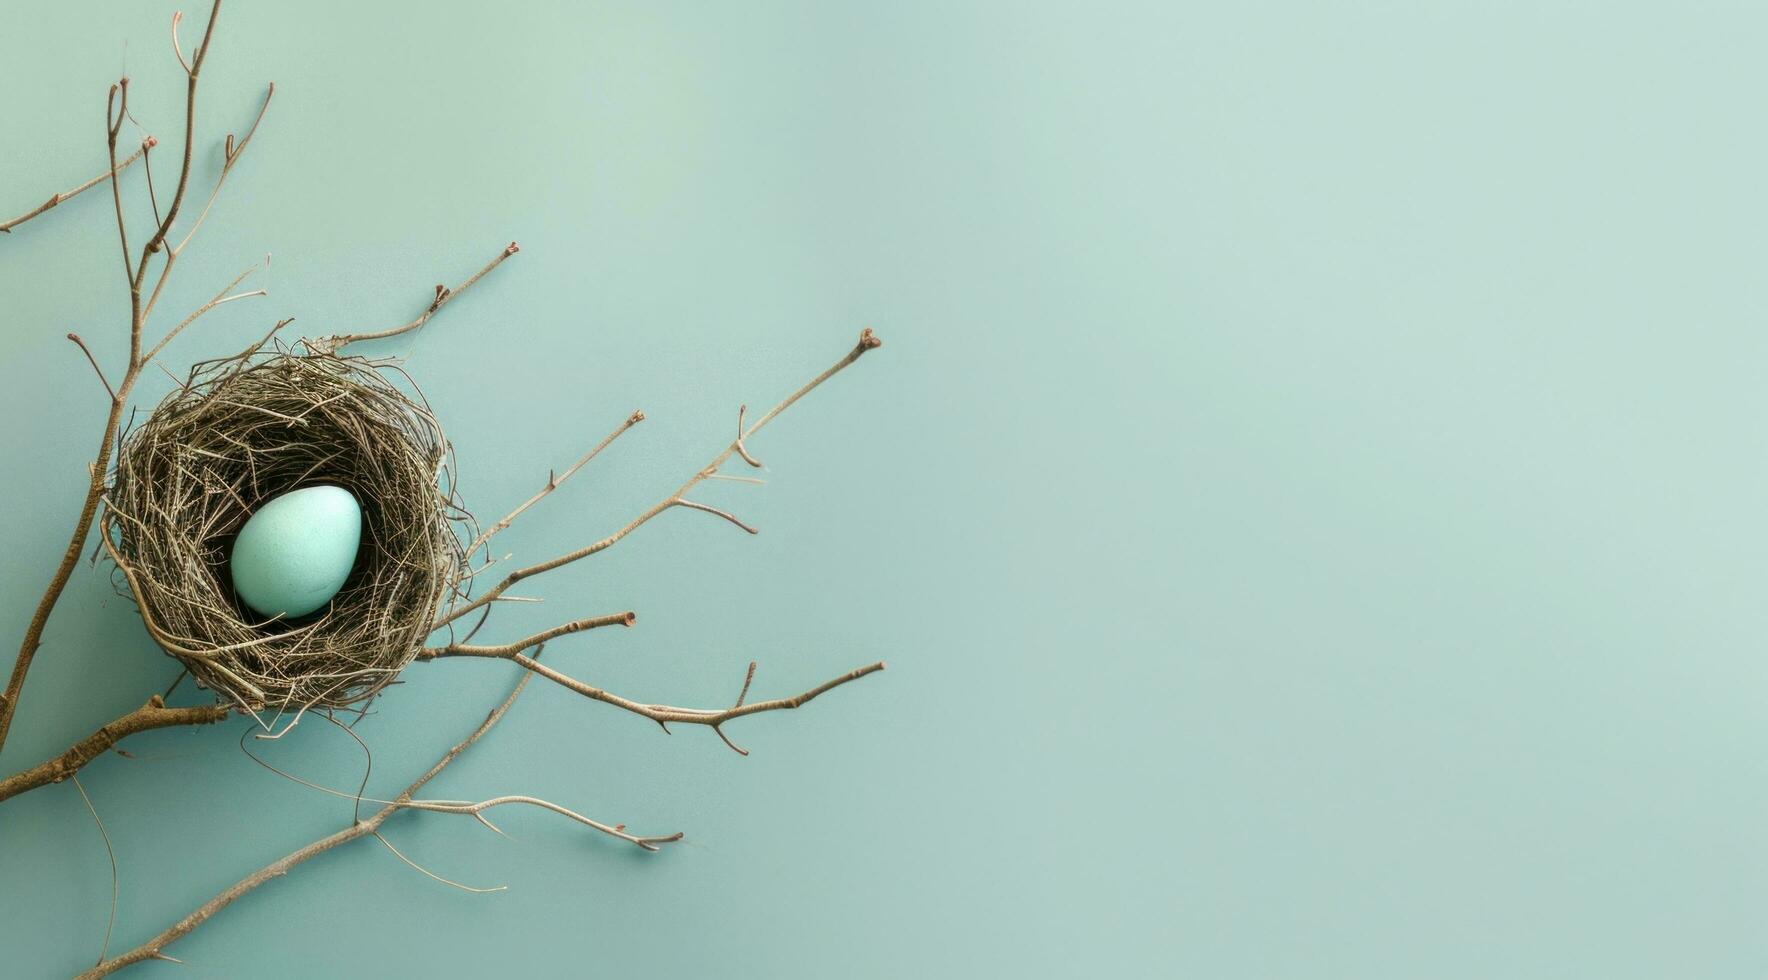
(512, 249)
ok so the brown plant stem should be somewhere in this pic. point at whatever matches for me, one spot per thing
(553, 480)
(369, 827)
(442, 298)
(33, 637)
(153, 714)
(61, 198)
(508, 651)
(713, 718)
(867, 341)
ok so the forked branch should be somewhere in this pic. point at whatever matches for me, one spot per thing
(662, 714)
(713, 718)
(867, 341)
(368, 827)
(116, 110)
(153, 714)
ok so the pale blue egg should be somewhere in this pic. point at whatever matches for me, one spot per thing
(295, 553)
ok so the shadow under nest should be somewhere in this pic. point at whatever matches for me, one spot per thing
(243, 430)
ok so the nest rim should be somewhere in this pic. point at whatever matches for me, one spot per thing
(241, 431)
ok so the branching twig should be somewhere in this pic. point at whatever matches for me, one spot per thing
(867, 341)
(116, 112)
(442, 298)
(713, 718)
(56, 199)
(226, 295)
(154, 948)
(153, 714)
(524, 652)
(230, 154)
(662, 714)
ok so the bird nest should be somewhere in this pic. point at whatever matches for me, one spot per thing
(241, 431)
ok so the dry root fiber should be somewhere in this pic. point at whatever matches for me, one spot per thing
(241, 431)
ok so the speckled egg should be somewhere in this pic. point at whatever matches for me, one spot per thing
(295, 552)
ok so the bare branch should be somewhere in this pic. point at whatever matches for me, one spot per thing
(57, 199)
(508, 651)
(94, 362)
(113, 123)
(230, 154)
(192, 69)
(477, 809)
(741, 450)
(713, 718)
(552, 483)
(442, 298)
(116, 112)
(867, 341)
(727, 515)
(226, 295)
(154, 948)
(153, 714)
(177, 49)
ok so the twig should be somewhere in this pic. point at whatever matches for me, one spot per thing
(116, 111)
(154, 947)
(113, 124)
(153, 714)
(450, 882)
(226, 295)
(477, 810)
(508, 651)
(713, 718)
(230, 154)
(709, 509)
(442, 298)
(867, 341)
(112, 392)
(116, 883)
(57, 199)
(552, 483)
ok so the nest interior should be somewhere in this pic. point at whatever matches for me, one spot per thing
(240, 432)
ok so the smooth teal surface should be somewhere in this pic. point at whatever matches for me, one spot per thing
(1311, 496)
(295, 551)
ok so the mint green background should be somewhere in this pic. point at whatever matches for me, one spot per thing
(1310, 497)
